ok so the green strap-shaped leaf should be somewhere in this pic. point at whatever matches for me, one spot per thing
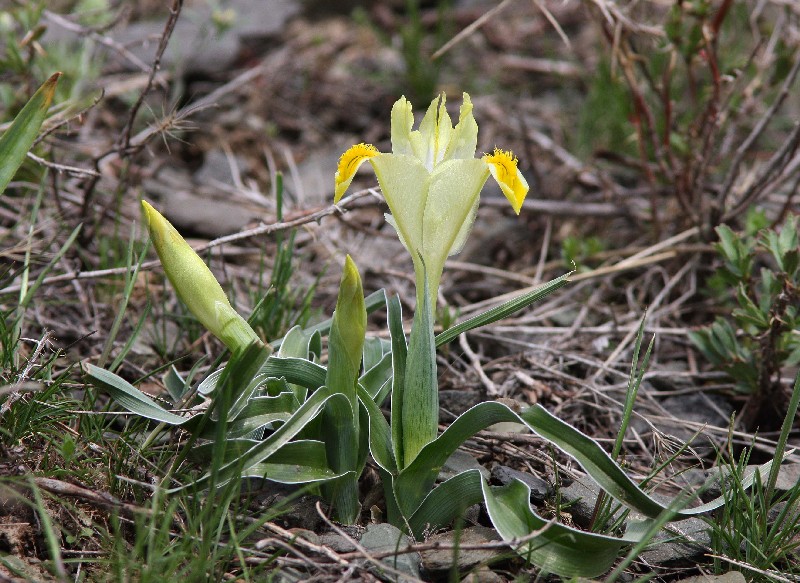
(446, 502)
(375, 378)
(297, 462)
(415, 481)
(247, 377)
(380, 435)
(399, 356)
(504, 310)
(419, 413)
(261, 411)
(18, 139)
(131, 398)
(269, 446)
(295, 370)
(558, 549)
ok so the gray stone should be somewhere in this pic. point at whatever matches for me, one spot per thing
(444, 559)
(729, 577)
(483, 575)
(458, 463)
(198, 45)
(193, 209)
(216, 168)
(380, 538)
(540, 489)
(697, 408)
(787, 479)
(683, 549)
(337, 542)
(580, 498)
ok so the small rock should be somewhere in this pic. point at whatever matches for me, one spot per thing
(459, 463)
(193, 209)
(336, 542)
(216, 168)
(788, 477)
(670, 550)
(580, 497)
(443, 559)
(540, 489)
(698, 408)
(385, 537)
(729, 577)
(483, 575)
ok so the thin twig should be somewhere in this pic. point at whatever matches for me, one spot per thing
(311, 217)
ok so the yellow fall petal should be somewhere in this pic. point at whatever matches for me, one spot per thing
(503, 167)
(349, 164)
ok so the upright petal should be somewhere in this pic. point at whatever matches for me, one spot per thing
(503, 166)
(455, 187)
(464, 139)
(404, 182)
(431, 141)
(402, 123)
(349, 163)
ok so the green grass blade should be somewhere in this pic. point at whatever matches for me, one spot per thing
(18, 139)
(503, 310)
(783, 437)
(52, 539)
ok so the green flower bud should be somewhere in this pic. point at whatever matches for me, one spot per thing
(196, 285)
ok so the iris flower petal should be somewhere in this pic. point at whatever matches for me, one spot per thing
(349, 163)
(503, 166)
(405, 183)
(402, 122)
(464, 140)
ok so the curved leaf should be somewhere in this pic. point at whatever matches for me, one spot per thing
(18, 139)
(380, 434)
(503, 310)
(264, 449)
(446, 502)
(557, 548)
(295, 370)
(131, 398)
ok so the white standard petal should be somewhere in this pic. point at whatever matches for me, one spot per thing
(402, 123)
(464, 140)
(404, 182)
(454, 189)
(431, 140)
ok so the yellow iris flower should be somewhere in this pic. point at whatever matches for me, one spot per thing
(432, 182)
